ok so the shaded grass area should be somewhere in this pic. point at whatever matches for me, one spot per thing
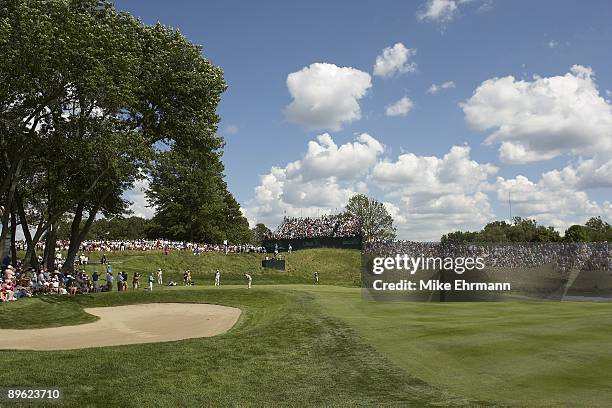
(283, 352)
(335, 266)
(515, 353)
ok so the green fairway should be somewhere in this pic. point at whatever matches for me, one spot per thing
(283, 351)
(515, 353)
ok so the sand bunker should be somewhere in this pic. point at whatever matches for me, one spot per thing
(133, 324)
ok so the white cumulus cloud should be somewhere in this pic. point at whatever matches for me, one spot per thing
(550, 200)
(434, 89)
(137, 196)
(427, 196)
(543, 118)
(326, 96)
(321, 182)
(443, 11)
(400, 108)
(394, 60)
(438, 10)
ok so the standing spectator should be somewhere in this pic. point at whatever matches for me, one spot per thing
(125, 280)
(119, 281)
(151, 280)
(94, 279)
(109, 281)
(136, 281)
(217, 278)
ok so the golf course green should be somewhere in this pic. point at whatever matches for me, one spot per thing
(301, 344)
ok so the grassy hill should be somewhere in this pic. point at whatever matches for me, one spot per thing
(335, 266)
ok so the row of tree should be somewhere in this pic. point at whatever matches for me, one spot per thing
(527, 230)
(93, 100)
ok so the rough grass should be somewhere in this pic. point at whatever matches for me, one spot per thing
(283, 352)
(335, 266)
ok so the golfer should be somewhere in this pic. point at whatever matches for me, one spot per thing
(217, 278)
(316, 278)
(151, 280)
(249, 280)
(160, 280)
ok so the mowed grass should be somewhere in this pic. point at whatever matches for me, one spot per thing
(335, 266)
(305, 345)
(283, 352)
(513, 353)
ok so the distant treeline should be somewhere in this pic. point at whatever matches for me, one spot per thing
(527, 230)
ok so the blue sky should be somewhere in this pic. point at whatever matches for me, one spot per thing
(565, 166)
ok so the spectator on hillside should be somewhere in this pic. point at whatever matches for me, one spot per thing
(119, 281)
(160, 280)
(136, 281)
(94, 279)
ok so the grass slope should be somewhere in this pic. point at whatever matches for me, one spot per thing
(335, 266)
(516, 353)
(283, 352)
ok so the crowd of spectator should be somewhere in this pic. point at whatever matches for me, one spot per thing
(20, 282)
(564, 255)
(147, 245)
(327, 226)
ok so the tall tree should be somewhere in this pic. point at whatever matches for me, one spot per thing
(88, 96)
(259, 233)
(375, 221)
(192, 201)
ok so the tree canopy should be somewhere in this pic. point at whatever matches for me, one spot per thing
(92, 100)
(375, 221)
(527, 230)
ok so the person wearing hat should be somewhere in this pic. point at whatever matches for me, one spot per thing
(9, 272)
(249, 280)
(119, 281)
(160, 280)
(151, 280)
(217, 278)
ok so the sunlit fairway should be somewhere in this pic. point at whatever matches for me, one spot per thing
(515, 353)
(298, 344)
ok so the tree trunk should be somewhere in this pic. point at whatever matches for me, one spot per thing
(50, 247)
(77, 236)
(8, 206)
(30, 256)
(13, 235)
(74, 234)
